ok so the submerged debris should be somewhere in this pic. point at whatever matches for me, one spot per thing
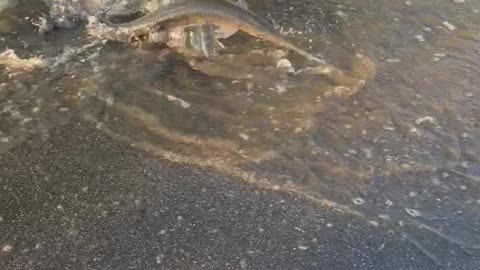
(11, 60)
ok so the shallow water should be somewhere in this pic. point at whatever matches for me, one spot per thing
(402, 153)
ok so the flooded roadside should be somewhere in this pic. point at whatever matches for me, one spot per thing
(402, 153)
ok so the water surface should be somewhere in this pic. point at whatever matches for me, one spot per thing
(402, 153)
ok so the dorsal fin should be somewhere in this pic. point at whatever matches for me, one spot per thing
(242, 4)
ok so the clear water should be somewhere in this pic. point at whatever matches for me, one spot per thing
(403, 152)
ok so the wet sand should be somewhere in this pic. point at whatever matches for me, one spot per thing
(83, 201)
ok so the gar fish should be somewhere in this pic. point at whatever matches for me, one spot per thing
(217, 12)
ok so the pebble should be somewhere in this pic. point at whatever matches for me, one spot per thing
(7, 248)
(449, 26)
(405, 166)
(340, 14)
(413, 212)
(420, 38)
(181, 102)
(285, 64)
(280, 88)
(393, 60)
(243, 264)
(425, 119)
(373, 223)
(384, 217)
(302, 247)
(368, 153)
(427, 29)
(243, 136)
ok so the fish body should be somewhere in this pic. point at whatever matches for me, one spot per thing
(219, 12)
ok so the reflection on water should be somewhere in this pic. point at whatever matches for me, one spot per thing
(403, 152)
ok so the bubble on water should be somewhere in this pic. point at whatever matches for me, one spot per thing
(413, 212)
(358, 201)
